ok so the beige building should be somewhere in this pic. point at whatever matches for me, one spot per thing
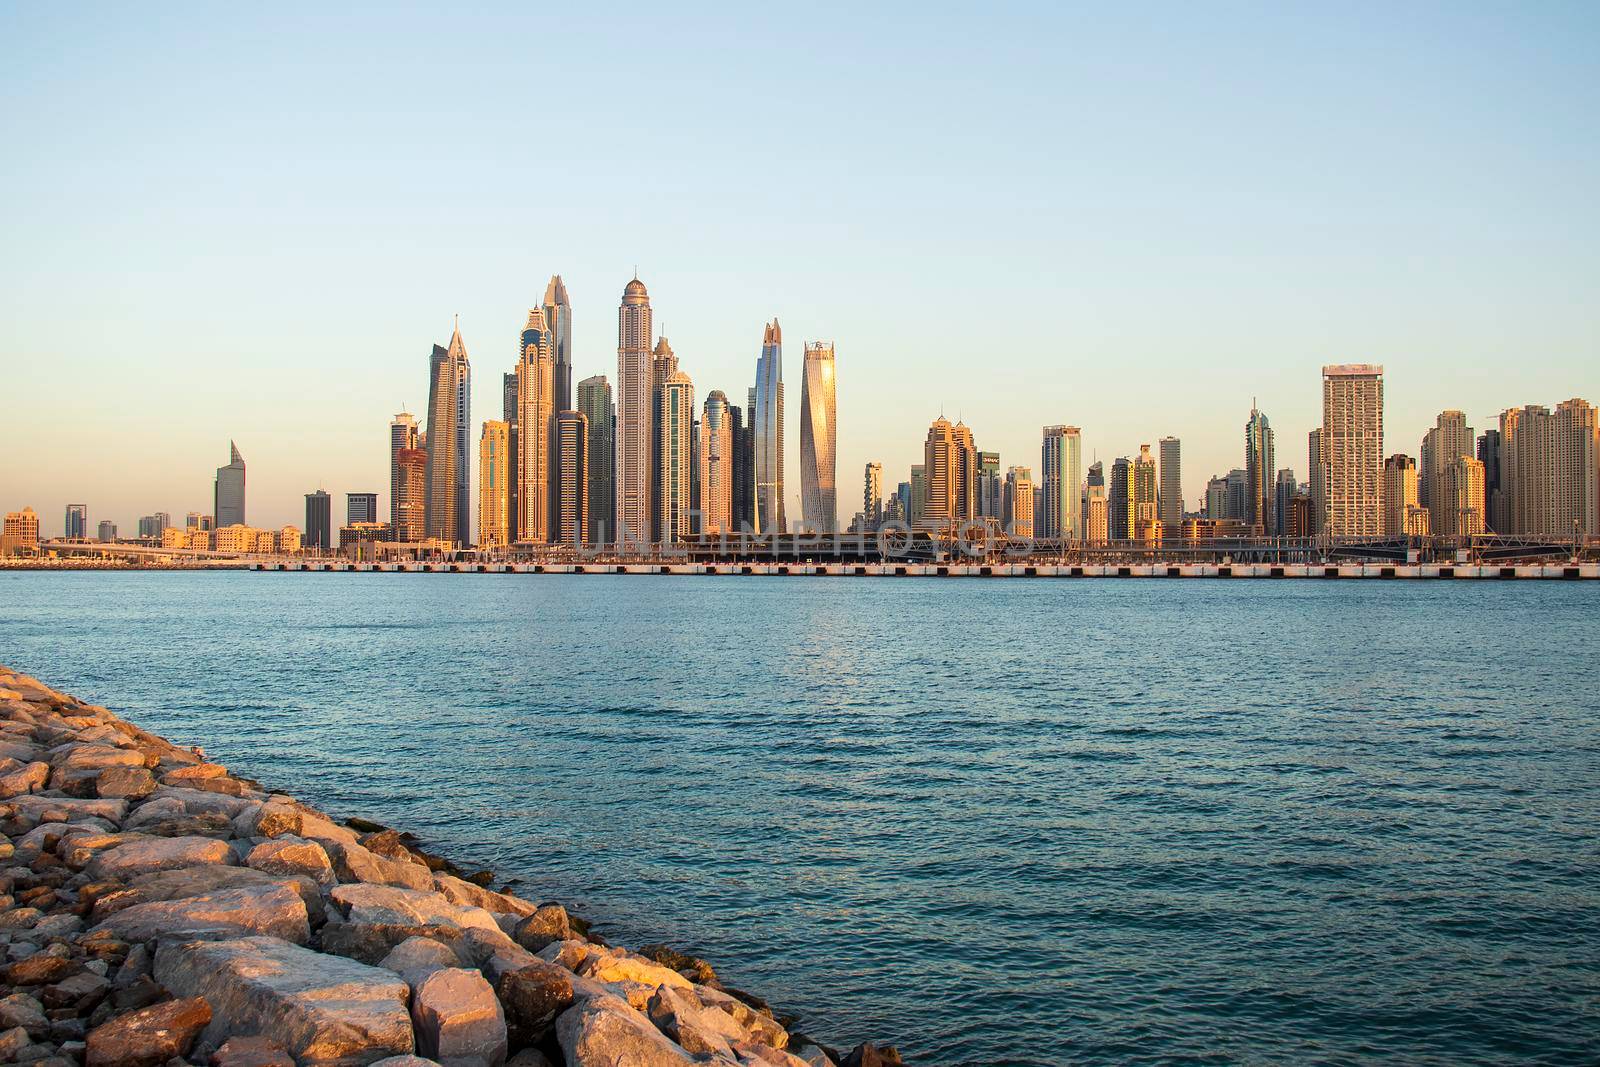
(1399, 494)
(1144, 503)
(1017, 506)
(288, 540)
(1097, 516)
(20, 532)
(675, 451)
(536, 382)
(950, 472)
(1550, 470)
(1351, 451)
(571, 526)
(1450, 438)
(494, 484)
(1460, 499)
(716, 465)
(411, 506)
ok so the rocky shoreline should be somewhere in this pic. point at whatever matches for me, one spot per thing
(157, 911)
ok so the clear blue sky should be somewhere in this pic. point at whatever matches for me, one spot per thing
(254, 224)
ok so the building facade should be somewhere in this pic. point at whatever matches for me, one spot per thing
(1260, 468)
(1119, 499)
(818, 439)
(766, 405)
(319, 521)
(872, 495)
(1449, 439)
(1017, 503)
(1058, 502)
(1462, 505)
(1400, 494)
(449, 396)
(494, 484)
(716, 465)
(1548, 471)
(402, 434)
(360, 507)
(675, 446)
(1144, 498)
(228, 492)
(411, 508)
(631, 478)
(1351, 448)
(536, 415)
(571, 526)
(600, 416)
(950, 465)
(1169, 493)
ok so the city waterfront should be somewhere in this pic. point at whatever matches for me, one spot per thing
(1014, 822)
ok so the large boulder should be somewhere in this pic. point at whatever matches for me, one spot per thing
(458, 1019)
(364, 903)
(157, 854)
(292, 855)
(604, 1030)
(33, 809)
(326, 1010)
(25, 779)
(276, 910)
(533, 996)
(620, 967)
(77, 763)
(417, 957)
(355, 863)
(544, 926)
(134, 783)
(148, 1037)
(697, 1028)
(460, 891)
(270, 818)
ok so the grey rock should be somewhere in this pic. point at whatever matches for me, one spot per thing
(157, 854)
(276, 910)
(606, 1031)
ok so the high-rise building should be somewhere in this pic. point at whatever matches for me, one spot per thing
(1017, 500)
(536, 416)
(228, 493)
(663, 365)
(743, 468)
(600, 417)
(1287, 487)
(1316, 486)
(635, 327)
(319, 521)
(149, 527)
(904, 494)
(991, 487)
(1352, 451)
(872, 495)
(402, 434)
(77, 524)
(1548, 470)
(1494, 499)
(1449, 438)
(818, 438)
(1260, 466)
(1096, 515)
(716, 465)
(1144, 497)
(108, 530)
(1302, 515)
(449, 462)
(1399, 493)
(1216, 507)
(558, 319)
(509, 403)
(950, 465)
(360, 507)
(1460, 498)
(675, 447)
(571, 525)
(767, 430)
(1119, 500)
(20, 531)
(1058, 502)
(494, 485)
(411, 503)
(1169, 493)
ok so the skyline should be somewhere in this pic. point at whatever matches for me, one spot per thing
(264, 268)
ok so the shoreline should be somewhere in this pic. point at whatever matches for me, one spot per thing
(159, 910)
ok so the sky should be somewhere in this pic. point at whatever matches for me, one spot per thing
(253, 224)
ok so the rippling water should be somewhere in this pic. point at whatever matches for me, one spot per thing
(998, 822)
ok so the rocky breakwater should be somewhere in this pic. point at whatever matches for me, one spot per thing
(156, 910)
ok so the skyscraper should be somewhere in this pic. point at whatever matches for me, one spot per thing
(1287, 487)
(872, 495)
(402, 434)
(1352, 450)
(1058, 501)
(558, 320)
(1449, 438)
(108, 530)
(1494, 499)
(663, 365)
(818, 437)
(919, 495)
(1144, 500)
(76, 527)
(571, 525)
(494, 484)
(600, 416)
(228, 493)
(1170, 492)
(767, 429)
(716, 465)
(1313, 527)
(319, 521)
(508, 415)
(1548, 470)
(950, 465)
(411, 509)
(1217, 499)
(1096, 515)
(675, 447)
(449, 391)
(1399, 494)
(536, 415)
(635, 327)
(1462, 504)
(360, 507)
(1119, 500)
(991, 488)
(1260, 467)
(1017, 503)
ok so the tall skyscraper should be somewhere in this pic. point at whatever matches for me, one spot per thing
(675, 447)
(1352, 450)
(1058, 501)
(1399, 494)
(818, 438)
(1238, 509)
(1170, 491)
(494, 484)
(571, 524)
(1096, 515)
(743, 477)
(1260, 467)
(1489, 456)
(1462, 503)
(449, 393)
(536, 415)
(508, 415)
(1548, 470)
(663, 365)
(767, 427)
(1217, 499)
(1287, 487)
(360, 507)
(77, 524)
(991, 487)
(635, 327)
(1119, 498)
(411, 509)
(1144, 492)
(950, 465)
(228, 493)
(872, 495)
(402, 434)
(600, 416)
(919, 494)
(319, 521)
(1449, 438)
(1017, 503)
(558, 320)
(716, 465)
(1318, 485)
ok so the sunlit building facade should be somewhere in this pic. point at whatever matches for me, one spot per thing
(767, 432)
(635, 327)
(494, 485)
(1351, 446)
(818, 439)
(1058, 501)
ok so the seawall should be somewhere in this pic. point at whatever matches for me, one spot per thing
(156, 910)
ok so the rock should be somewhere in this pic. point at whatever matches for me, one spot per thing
(83, 762)
(134, 967)
(691, 1024)
(460, 891)
(41, 968)
(200, 802)
(198, 881)
(19, 1009)
(547, 924)
(187, 776)
(693, 968)
(275, 910)
(761, 1026)
(270, 818)
(292, 855)
(353, 863)
(158, 854)
(35, 808)
(26, 779)
(387, 843)
(150, 1036)
(621, 968)
(416, 957)
(532, 997)
(12, 1042)
(61, 924)
(814, 1055)
(458, 1019)
(869, 1055)
(363, 903)
(324, 1009)
(372, 942)
(405, 1061)
(606, 1031)
(80, 992)
(251, 1052)
(132, 782)
(77, 850)
(751, 1054)
(320, 828)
